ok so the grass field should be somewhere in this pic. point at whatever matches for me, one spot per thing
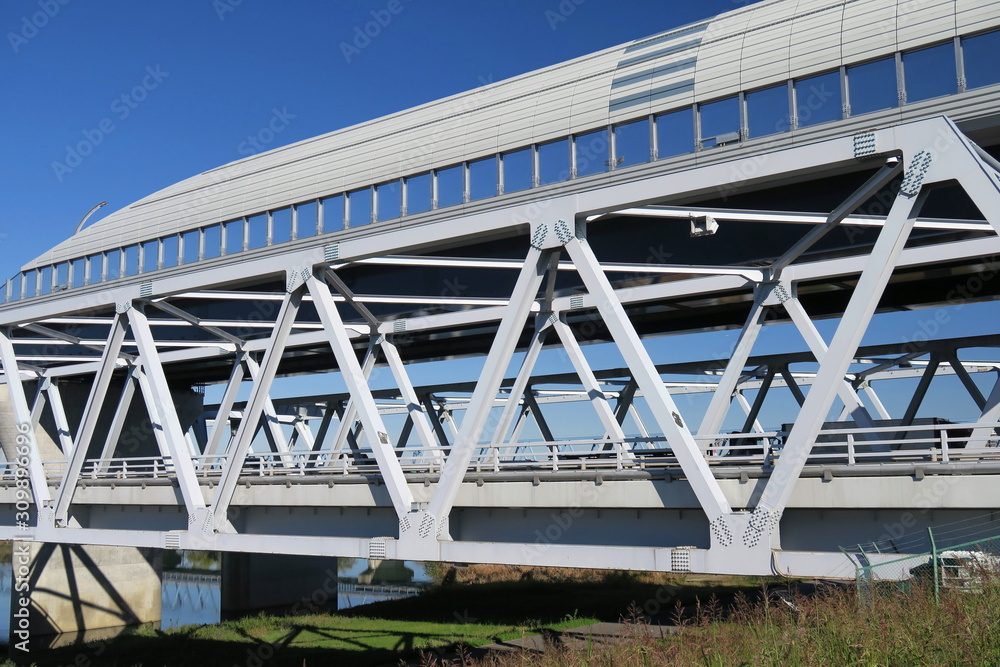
(725, 622)
(278, 641)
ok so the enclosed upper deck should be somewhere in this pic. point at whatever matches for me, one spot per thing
(759, 77)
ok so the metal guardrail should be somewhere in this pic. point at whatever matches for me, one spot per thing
(933, 444)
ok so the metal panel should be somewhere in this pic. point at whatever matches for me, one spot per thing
(974, 15)
(764, 57)
(869, 30)
(816, 36)
(920, 23)
(718, 70)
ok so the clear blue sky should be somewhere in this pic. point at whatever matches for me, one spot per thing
(201, 77)
(212, 73)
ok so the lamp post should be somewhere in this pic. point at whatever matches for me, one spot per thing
(91, 212)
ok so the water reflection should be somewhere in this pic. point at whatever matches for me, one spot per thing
(190, 597)
(191, 590)
(366, 581)
(6, 577)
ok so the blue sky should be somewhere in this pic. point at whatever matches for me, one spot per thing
(166, 90)
(162, 91)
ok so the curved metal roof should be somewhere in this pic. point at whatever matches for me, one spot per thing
(765, 43)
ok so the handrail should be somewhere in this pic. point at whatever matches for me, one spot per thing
(944, 444)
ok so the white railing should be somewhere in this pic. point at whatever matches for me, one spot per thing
(931, 444)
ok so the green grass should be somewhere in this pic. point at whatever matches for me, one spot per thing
(319, 639)
(382, 633)
(904, 627)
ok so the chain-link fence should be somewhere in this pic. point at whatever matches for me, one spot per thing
(970, 567)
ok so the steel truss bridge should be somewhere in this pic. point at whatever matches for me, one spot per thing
(577, 263)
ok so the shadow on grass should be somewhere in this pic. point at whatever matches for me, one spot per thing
(544, 603)
(183, 648)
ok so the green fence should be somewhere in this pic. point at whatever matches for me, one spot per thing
(968, 567)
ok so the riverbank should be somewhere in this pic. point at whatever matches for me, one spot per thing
(715, 622)
(504, 605)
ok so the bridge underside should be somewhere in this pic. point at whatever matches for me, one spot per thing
(659, 460)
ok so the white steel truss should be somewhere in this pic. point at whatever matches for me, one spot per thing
(493, 413)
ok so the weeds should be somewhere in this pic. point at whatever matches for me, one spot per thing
(830, 627)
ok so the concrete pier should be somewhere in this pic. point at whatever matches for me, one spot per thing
(76, 588)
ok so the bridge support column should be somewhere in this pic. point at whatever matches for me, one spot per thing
(299, 584)
(76, 588)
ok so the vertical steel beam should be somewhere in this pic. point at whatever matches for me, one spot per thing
(448, 417)
(305, 433)
(515, 434)
(91, 411)
(857, 315)
(156, 420)
(160, 405)
(484, 395)
(22, 416)
(404, 433)
(240, 445)
(723, 395)
(357, 385)
(638, 421)
(38, 405)
(200, 432)
(682, 442)
(324, 424)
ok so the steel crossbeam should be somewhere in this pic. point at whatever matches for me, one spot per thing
(217, 440)
(504, 344)
(88, 423)
(837, 359)
(58, 410)
(417, 417)
(344, 434)
(163, 414)
(722, 398)
(240, 445)
(612, 427)
(354, 378)
(22, 415)
(683, 444)
(121, 412)
(272, 428)
(512, 410)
